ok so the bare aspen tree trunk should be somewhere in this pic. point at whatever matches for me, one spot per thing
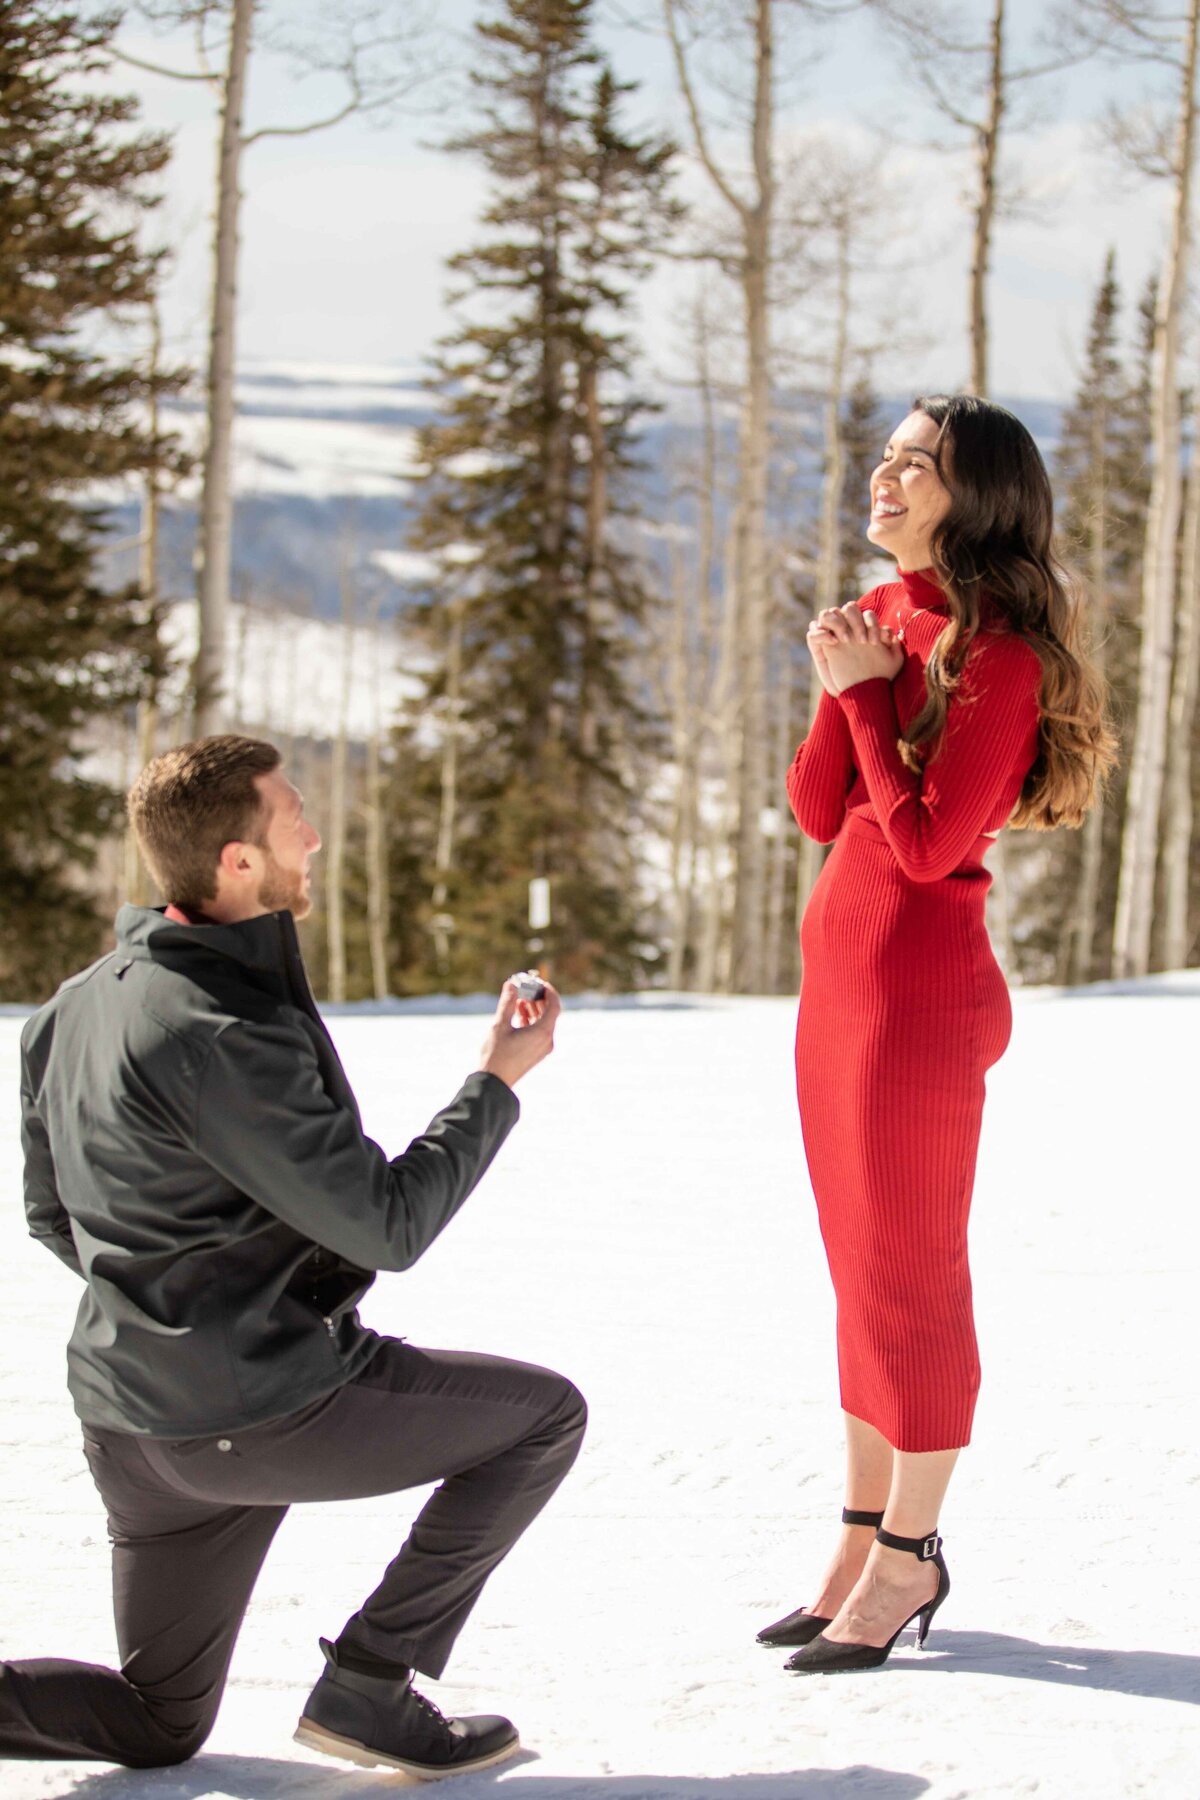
(683, 755)
(216, 495)
(378, 921)
(137, 883)
(1178, 821)
(555, 420)
(829, 549)
(597, 526)
(1135, 893)
(714, 727)
(716, 956)
(288, 626)
(240, 715)
(987, 149)
(335, 856)
(1080, 941)
(443, 862)
(751, 564)
(784, 700)
(987, 155)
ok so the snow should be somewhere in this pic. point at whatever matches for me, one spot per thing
(408, 566)
(289, 453)
(379, 378)
(648, 1228)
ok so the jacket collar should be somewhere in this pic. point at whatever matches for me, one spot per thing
(266, 949)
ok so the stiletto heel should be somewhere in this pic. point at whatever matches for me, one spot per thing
(821, 1656)
(801, 1627)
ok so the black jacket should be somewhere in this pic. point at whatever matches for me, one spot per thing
(194, 1151)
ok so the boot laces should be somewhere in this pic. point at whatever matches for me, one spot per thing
(435, 1713)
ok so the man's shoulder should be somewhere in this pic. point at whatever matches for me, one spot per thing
(41, 1024)
(144, 1006)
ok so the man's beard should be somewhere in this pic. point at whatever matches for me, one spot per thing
(282, 890)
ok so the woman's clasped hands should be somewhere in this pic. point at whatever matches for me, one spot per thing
(849, 645)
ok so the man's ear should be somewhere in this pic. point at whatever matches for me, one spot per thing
(234, 860)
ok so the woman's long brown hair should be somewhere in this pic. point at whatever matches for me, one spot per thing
(994, 549)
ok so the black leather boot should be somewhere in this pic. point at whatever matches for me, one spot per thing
(382, 1719)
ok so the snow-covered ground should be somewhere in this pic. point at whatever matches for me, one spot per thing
(649, 1229)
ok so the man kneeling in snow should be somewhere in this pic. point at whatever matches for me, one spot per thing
(193, 1150)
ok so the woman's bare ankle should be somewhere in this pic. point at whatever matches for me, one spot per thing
(843, 1573)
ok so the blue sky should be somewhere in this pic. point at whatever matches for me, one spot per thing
(346, 233)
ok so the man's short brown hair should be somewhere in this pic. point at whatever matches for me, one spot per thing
(187, 804)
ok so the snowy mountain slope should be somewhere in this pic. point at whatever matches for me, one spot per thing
(324, 459)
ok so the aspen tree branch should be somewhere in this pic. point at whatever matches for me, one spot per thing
(719, 180)
(357, 102)
(354, 104)
(1056, 66)
(202, 47)
(926, 28)
(944, 104)
(138, 62)
(723, 260)
(763, 172)
(1119, 33)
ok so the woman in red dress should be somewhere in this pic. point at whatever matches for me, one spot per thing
(956, 700)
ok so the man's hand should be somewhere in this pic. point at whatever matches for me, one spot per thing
(511, 1050)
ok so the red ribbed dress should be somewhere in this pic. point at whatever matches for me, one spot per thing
(903, 1008)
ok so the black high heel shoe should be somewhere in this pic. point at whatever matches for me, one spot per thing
(801, 1627)
(822, 1656)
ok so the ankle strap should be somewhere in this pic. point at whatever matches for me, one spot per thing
(926, 1548)
(850, 1516)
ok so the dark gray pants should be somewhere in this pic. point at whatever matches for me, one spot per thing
(191, 1522)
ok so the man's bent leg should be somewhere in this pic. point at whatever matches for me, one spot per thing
(183, 1572)
(525, 1426)
(499, 1435)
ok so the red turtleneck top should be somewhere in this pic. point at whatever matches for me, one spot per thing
(849, 762)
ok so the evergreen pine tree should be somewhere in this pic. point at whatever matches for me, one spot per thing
(536, 613)
(70, 651)
(1102, 490)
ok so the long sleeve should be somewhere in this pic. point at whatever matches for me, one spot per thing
(931, 819)
(822, 773)
(47, 1216)
(265, 1121)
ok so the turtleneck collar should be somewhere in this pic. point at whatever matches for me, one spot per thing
(922, 589)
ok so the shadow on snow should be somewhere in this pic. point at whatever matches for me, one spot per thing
(1145, 1674)
(262, 1778)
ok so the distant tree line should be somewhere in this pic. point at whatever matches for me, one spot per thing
(609, 690)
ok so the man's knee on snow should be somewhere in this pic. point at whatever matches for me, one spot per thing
(165, 1743)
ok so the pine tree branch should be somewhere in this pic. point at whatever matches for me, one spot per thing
(716, 175)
